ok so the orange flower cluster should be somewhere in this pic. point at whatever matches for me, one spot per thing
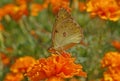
(116, 44)
(21, 8)
(55, 68)
(82, 6)
(19, 68)
(21, 2)
(14, 77)
(111, 61)
(105, 9)
(57, 4)
(21, 65)
(16, 12)
(36, 8)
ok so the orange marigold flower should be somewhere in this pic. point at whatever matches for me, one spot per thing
(19, 11)
(57, 4)
(16, 12)
(22, 64)
(4, 58)
(116, 44)
(82, 6)
(7, 8)
(36, 8)
(14, 77)
(55, 67)
(111, 76)
(105, 9)
(21, 2)
(2, 13)
(111, 61)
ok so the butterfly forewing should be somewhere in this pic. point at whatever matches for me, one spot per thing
(62, 14)
(66, 32)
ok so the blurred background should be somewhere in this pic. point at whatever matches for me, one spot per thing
(26, 25)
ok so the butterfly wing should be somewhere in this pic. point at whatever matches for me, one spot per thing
(66, 32)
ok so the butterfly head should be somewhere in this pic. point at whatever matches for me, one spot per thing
(53, 51)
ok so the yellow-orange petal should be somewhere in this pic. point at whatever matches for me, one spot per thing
(36, 8)
(82, 6)
(111, 62)
(54, 79)
(22, 64)
(22, 2)
(19, 11)
(111, 59)
(7, 8)
(14, 77)
(57, 4)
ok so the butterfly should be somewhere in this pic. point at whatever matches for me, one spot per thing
(66, 32)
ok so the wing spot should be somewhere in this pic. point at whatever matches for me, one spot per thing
(56, 31)
(64, 34)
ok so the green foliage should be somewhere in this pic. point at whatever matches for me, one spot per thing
(98, 35)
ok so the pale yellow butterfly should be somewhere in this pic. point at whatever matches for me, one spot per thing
(66, 32)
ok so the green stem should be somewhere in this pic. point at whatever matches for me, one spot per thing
(22, 26)
(38, 25)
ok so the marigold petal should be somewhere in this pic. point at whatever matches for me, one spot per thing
(14, 77)
(111, 62)
(54, 79)
(22, 64)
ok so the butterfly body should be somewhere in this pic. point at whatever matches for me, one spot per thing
(66, 32)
